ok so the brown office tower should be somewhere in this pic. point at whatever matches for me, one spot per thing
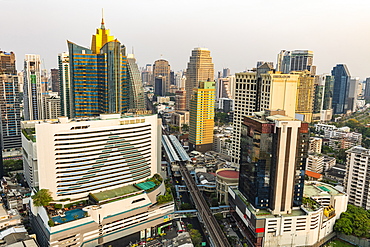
(162, 68)
(180, 100)
(200, 68)
(55, 80)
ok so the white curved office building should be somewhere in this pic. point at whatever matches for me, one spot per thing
(75, 158)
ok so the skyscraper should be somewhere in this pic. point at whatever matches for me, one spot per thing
(65, 85)
(297, 60)
(55, 84)
(135, 85)
(305, 95)
(9, 103)
(200, 68)
(357, 176)
(273, 205)
(202, 121)
(98, 76)
(341, 87)
(162, 68)
(271, 164)
(32, 88)
(258, 91)
(367, 88)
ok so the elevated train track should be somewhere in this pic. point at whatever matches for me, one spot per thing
(176, 153)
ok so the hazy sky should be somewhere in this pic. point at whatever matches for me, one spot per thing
(238, 32)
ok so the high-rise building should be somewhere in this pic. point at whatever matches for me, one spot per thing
(357, 177)
(98, 76)
(55, 83)
(180, 99)
(305, 95)
(51, 101)
(225, 72)
(65, 84)
(136, 90)
(341, 87)
(200, 68)
(7, 63)
(202, 121)
(258, 91)
(10, 114)
(159, 81)
(297, 60)
(270, 143)
(353, 93)
(32, 88)
(108, 169)
(272, 204)
(147, 75)
(162, 68)
(225, 87)
(323, 97)
(367, 88)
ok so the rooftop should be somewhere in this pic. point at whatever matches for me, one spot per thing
(114, 193)
(315, 189)
(228, 173)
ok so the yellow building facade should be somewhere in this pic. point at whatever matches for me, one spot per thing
(305, 94)
(202, 122)
(279, 92)
(101, 37)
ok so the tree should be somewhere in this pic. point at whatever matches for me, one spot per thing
(185, 206)
(42, 198)
(343, 225)
(196, 237)
(185, 127)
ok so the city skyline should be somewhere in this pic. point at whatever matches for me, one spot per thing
(178, 29)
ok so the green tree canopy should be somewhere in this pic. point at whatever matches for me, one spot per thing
(42, 198)
(355, 221)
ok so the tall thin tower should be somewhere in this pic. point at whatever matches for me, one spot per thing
(200, 68)
(32, 92)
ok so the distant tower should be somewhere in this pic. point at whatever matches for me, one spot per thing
(55, 84)
(200, 68)
(136, 91)
(202, 117)
(32, 91)
(9, 103)
(297, 60)
(162, 68)
(341, 87)
(65, 84)
(225, 72)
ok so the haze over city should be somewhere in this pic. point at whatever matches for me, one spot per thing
(238, 33)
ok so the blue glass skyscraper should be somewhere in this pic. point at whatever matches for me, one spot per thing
(341, 88)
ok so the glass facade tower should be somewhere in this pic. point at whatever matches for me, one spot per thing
(98, 76)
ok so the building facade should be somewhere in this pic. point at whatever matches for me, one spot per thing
(98, 76)
(32, 88)
(340, 89)
(272, 205)
(297, 60)
(51, 101)
(356, 178)
(136, 90)
(258, 91)
(162, 68)
(65, 85)
(103, 165)
(202, 121)
(200, 68)
(9, 103)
